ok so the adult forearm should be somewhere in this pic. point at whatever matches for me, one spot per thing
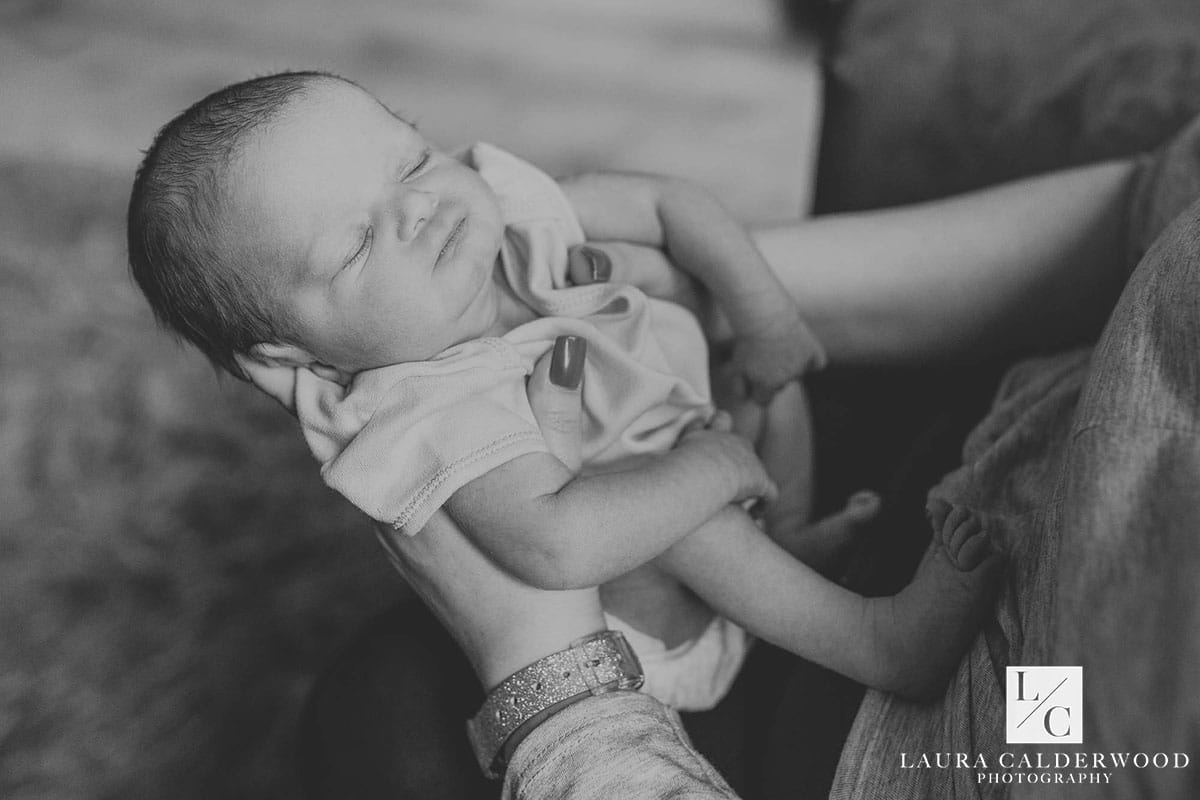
(707, 242)
(1028, 265)
(689, 224)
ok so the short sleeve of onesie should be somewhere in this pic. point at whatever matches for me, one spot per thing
(401, 439)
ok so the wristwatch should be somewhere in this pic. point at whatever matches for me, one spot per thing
(596, 664)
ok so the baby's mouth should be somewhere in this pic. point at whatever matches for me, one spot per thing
(451, 244)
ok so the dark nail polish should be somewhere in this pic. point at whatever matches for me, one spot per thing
(600, 266)
(566, 363)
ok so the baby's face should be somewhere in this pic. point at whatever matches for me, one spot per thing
(378, 248)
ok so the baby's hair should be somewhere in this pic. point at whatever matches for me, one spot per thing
(176, 252)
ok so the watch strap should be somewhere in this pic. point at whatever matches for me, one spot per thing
(595, 664)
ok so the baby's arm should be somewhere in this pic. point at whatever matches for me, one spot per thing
(556, 531)
(704, 240)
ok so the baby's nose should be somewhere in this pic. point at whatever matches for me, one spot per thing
(415, 208)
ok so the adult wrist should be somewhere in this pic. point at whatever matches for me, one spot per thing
(506, 639)
(596, 664)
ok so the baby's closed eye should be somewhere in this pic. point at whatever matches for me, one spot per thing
(362, 251)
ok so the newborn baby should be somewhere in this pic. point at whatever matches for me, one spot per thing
(294, 224)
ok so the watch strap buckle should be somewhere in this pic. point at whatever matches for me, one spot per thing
(595, 664)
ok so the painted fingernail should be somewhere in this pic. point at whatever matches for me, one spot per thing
(566, 362)
(599, 266)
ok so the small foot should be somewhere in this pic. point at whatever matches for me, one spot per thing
(922, 632)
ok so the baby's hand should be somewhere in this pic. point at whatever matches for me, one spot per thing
(778, 348)
(733, 455)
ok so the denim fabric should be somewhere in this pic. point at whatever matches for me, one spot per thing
(618, 745)
(1088, 472)
(1128, 601)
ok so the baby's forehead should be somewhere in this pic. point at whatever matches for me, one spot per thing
(323, 120)
(327, 92)
(307, 169)
(331, 113)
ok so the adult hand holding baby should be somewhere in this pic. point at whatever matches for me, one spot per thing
(765, 356)
(651, 270)
(500, 623)
(275, 381)
(647, 268)
(554, 395)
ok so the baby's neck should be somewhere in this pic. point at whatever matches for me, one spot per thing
(511, 311)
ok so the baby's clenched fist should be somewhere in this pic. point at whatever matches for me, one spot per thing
(733, 456)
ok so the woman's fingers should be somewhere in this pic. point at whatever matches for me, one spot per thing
(647, 268)
(588, 264)
(277, 382)
(721, 421)
(555, 398)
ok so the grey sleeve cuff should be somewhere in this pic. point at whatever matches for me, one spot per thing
(617, 745)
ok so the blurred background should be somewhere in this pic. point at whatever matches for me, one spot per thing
(173, 574)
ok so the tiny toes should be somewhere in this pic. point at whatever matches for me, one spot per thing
(961, 533)
(974, 550)
(957, 516)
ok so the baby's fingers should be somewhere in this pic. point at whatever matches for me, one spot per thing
(763, 371)
(721, 421)
(770, 492)
(756, 483)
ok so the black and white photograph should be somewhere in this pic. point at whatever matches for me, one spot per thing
(469, 399)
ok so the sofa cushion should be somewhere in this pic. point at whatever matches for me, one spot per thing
(927, 98)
